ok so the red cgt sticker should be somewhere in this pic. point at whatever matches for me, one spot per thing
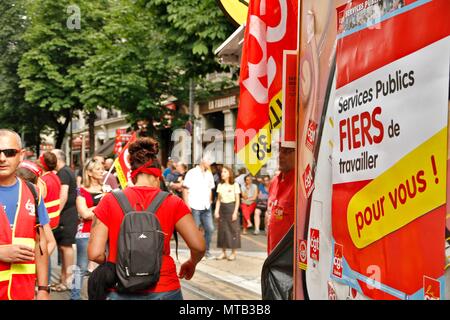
(337, 260)
(331, 291)
(302, 254)
(431, 289)
(314, 245)
(311, 135)
(308, 181)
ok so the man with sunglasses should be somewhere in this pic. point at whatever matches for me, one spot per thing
(23, 246)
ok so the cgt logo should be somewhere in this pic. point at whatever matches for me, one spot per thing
(314, 244)
(337, 260)
(30, 208)
(431, 289)
(308, 181)
(331, 291)
(311, 135)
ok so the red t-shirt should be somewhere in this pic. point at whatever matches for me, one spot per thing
(171, 210)
(281, 207)
(84, 227)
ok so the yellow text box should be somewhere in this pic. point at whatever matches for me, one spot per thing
(411, 188)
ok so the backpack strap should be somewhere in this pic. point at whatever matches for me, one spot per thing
(36, 199)
(154, 206)
(36, 206)
(157, 201)
(123, 201)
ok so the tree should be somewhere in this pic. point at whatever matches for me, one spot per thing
(128, 68)
(148, 51)
(60, 39)
(15, 112)
(193, 29)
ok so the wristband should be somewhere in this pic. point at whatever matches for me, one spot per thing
(46, 288)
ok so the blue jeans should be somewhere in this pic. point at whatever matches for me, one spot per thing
(204, 218)
(80, 269)
(168, 295)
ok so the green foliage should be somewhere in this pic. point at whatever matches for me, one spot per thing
(15, 112)
(51, 70)
(129, 55)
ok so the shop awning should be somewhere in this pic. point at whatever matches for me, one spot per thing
(106, 149)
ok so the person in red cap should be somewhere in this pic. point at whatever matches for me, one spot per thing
(173, 214)
(31, 172)
(48, 161)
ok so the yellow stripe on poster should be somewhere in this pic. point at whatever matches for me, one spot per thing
(409, 189)
(259, 150)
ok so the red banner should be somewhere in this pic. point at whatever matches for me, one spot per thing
(271, 29)
(121, 137)
(122, 164)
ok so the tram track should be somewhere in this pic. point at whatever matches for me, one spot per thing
(208, 287)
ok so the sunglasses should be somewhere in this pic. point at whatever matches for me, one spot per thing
(9, 153)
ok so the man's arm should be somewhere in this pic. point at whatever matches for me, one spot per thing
(63, 195)
(186, 195)
(51, 242)
(186, 185)
(41, 259)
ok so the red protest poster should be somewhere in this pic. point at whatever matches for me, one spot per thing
(390, 157)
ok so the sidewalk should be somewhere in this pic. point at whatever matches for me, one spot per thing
(244, 272)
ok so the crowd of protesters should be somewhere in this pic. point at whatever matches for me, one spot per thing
(77, 210)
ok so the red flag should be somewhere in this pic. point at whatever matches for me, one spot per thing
(271, 28)
(121, 137)
(122, 164)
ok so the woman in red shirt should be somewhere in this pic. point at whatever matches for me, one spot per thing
(173, 214)
(88, 197)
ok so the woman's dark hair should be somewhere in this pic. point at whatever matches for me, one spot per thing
(50, 160)
(143, 150)
(230, 172)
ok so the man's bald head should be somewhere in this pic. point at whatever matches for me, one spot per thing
(8, 164)
(11, 133)
(60, 155)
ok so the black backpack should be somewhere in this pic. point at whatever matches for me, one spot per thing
(139, 246)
